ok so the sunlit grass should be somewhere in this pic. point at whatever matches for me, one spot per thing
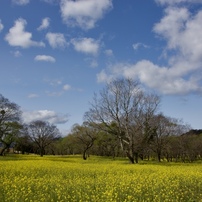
(69, 178)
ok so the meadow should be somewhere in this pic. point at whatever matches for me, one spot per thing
(70, 179)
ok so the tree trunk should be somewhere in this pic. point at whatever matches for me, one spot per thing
(2, 153)
(141, 157)
(136, 157)
(159, 156)
(84, 156)
(41, 152)
(130, 157)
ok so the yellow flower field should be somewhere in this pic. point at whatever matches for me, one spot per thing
(68, 179)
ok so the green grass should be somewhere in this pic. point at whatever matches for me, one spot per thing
(101, 179)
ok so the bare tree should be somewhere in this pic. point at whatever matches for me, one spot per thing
(122, 109)
(42, 134)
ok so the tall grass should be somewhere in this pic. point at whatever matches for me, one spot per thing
(68, 179)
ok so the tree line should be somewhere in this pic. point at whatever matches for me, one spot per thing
(123, 120)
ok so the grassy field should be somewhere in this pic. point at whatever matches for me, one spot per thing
(68, 179)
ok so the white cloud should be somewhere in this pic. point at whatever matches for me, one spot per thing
(172, 2)
(44, 24)
(44, 115)
(86, 45)
(136, 46)
(66, 87)
(21, 2)
(181, 31)
(108, 52)
(1, 26)
(162, 79)
(51, 1)
(17, 53)
(56, 40)
(33, 95)
(104, 76)
(17, 36)
(84, 13)
(45, 58)
(92, 62)
(172, 24)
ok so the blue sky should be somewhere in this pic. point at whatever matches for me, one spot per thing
(54, 54)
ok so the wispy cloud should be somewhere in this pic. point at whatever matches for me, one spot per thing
(86, 45)
(1, 26)
(66, 87)
(94, 63)
(17, 53)
(174, 2)
(136, 46)
(20, 2)
(56, 40)
(84, 14)
(45, 115)
(17, 36)
(105, 76)
(54, 93)
(44, 24)
(51, 1)
(53, 82)
(33, 95)
(58, 88)
(109, 52)
(45, 58)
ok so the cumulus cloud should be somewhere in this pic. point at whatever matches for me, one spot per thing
(86, 45)
(1, 26)
(45, 58)
(44, 24)
(181, 31)
(84, 13)
(20, 2)
(44, 115)
(162, 79)
(17, 36)
(56, 40)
